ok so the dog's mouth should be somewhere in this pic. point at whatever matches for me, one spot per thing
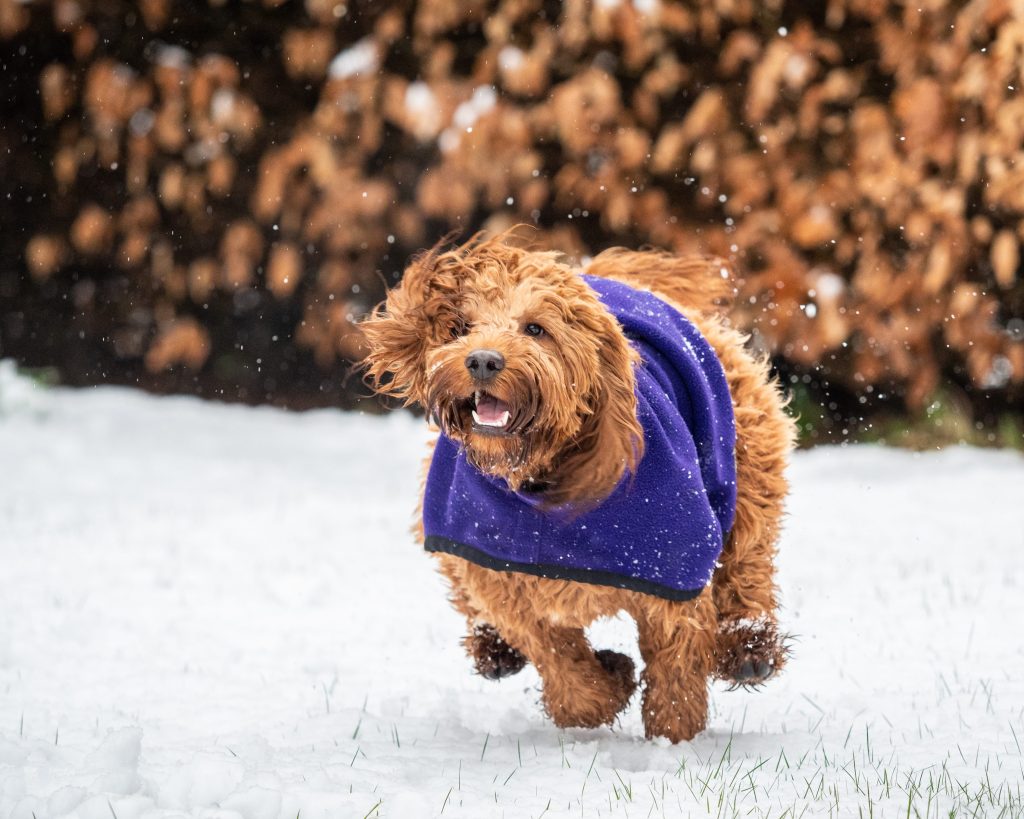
(484, 413)
(490, 415)
(490, 411)
(510, 411)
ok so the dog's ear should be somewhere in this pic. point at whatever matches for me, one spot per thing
(610, 443)
(421, 312)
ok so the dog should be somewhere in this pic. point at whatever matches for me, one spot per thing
(607, 444)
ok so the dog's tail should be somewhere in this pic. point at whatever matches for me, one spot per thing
(701, 283)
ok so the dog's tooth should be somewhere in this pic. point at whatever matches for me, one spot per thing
(476, 417)
(504, 419)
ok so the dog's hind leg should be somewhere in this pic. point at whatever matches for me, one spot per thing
(750, 650)
(749, 647)
(677, 641)
(581, 688)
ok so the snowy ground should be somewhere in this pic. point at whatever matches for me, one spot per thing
(218, 611)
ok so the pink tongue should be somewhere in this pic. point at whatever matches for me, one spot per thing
(489, 409)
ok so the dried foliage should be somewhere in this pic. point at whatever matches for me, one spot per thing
(227, 182)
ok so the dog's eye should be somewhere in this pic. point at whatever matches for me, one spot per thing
(459, 329)
(534, 330)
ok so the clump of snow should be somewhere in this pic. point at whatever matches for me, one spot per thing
(419, 99)
(422, 104)
(999, 373)
(797, 71)
(172, 56)
(359, 59)
(141, 122)
(222, 104)
(64, 800)
(483, 99)
(19, 393)
(207, 779)
(510, 58)
(219, 611)
(829, 285)
(449, 140)
(749, 624)
(254, 802)
(119, 749)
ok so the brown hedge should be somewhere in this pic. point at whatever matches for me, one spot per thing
(220, 186)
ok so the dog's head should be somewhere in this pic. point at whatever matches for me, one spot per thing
(517, 360)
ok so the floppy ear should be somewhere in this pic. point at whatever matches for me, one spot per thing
(418, 314)
(611, 441)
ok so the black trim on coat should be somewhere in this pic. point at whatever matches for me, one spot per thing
(436, 543)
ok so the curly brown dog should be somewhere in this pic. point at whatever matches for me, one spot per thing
(534, 381)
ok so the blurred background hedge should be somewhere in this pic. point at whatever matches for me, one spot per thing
(203, 195)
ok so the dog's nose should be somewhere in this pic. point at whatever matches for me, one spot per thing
(483, 365)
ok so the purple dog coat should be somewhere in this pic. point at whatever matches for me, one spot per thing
(661, 530)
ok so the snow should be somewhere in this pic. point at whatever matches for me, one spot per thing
(511, 58)
(482, 100)
(829, 285)
(358, 60)
(424, 108)
(420, 100)
(219, 611)
(222, 104)
(172, 56)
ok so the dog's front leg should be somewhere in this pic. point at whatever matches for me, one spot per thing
(492, 656)
(581, 688)
(677, 642)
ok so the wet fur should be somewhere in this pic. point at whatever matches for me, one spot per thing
(573, 391)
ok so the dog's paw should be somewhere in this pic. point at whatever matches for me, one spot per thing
(492, 656)
(750, 652)
(621, 668)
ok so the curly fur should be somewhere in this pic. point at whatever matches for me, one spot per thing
(574, 435)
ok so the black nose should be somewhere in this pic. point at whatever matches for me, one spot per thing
(483, 365)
